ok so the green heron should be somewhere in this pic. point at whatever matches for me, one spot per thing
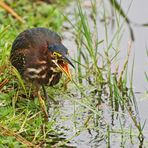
(40, 58)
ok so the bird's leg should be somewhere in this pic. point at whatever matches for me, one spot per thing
(43, 106)
(45, 93)
(47, 97)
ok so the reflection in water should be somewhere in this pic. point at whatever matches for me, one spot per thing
(80, 127)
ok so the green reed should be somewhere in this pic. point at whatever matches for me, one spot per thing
(113, 84)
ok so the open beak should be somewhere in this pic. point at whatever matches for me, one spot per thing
(64, 66)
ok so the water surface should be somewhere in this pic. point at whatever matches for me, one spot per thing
(137, 14)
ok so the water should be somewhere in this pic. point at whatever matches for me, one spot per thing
(138, 14)
(85, 138)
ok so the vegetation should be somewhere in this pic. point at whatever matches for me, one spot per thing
(21, 121)
(96, 87)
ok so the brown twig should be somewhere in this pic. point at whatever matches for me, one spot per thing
(3, 83)
(7, 132)
(11, 11)
(43, 106)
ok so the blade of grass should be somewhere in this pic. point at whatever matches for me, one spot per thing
(11, 11)
(116, 5)
(20, 80)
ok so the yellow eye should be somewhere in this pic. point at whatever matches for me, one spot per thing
(57, 54)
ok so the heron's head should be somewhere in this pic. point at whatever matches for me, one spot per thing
(59, 56)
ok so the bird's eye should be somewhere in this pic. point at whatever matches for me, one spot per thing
(54, 54)
(57, 54)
